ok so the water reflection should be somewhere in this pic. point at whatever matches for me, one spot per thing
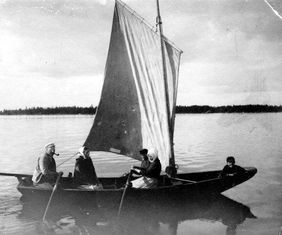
(138, 217)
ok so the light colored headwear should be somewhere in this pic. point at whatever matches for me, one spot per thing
(152, 153)
(81, 150)
(49, 145)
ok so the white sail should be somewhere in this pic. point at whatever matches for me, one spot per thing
(132, 111)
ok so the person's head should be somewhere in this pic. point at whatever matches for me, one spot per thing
(143, 153)
(152, 154)
(230, 161)
(84, 151)
(50, 148)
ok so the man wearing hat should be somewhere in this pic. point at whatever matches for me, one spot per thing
(45, 171)
(144, 163)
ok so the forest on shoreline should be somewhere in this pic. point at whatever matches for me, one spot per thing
(179, 109)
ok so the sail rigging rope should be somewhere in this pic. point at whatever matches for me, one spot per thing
(67, 159)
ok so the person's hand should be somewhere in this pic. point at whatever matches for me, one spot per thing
(138, 171)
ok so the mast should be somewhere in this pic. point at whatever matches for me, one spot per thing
(172, 170)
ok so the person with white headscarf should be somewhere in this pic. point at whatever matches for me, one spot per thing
(150, 174)
(84, 171)
(45, 171)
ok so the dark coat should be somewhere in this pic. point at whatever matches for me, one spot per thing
(234, 170)
(154, 169)
(145, 164)
(84, 171)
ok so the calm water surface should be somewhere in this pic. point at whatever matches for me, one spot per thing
(202, 142)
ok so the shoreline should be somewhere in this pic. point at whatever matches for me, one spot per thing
(194, 109)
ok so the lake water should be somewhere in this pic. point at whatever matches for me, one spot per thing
(202, 142)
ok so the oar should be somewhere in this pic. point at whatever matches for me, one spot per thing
(124, 191)
(183, 180)
(14, 174)
(50, 199)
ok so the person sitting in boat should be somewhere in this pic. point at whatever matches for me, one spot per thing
(230, 169)
(145, 160)
(150, 175)
(45, 171)
(84, 171)
(145, 163)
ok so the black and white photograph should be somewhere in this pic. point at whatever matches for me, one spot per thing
(146, 117)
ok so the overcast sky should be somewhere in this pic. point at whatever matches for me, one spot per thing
(53, 52)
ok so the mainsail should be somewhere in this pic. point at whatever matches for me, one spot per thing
(132, 111)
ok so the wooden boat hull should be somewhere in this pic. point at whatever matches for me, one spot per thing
(186, 185)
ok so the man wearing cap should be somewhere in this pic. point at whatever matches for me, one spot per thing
(144, 164)
(45, 171)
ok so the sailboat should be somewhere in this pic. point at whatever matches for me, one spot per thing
(137, 110)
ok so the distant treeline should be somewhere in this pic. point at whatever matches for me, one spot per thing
(50, 111)
(251, 108)
(179, 109)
